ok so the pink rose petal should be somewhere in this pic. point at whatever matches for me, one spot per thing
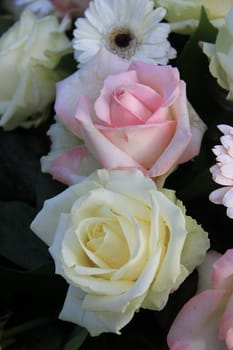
(163, 79)
(205, 270)
(107, 153)
(66, 102)
(222, 269)
(229, 339)
(196, 326)
(87, 80)
(149, 97)
(126, 110)
(197, 130)
(155, 137)
(172, 153)
(102, 104)
(226, 322)
(140, 119)
(73, 165)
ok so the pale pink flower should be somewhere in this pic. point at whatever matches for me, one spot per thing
(206, 321)
(74, 8)
(222, 171)
(41, 8)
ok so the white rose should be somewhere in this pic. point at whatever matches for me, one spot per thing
(183, 15)
(220, 55)
(121, 245)
(40, 8)
(29, 52)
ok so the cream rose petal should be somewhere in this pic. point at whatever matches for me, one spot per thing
(56, 245)
(95, 322)
(28, 57)
(183, 15)
(45, 223)
(220, 54)
(112, 211)
(22, 102)
(170, 265)
(120, 302)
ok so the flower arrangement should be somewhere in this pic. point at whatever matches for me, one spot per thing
(117, 174)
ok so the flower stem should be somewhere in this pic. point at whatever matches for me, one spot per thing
(24, 328)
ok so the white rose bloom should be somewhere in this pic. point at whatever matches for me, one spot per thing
(220, 55)
(29, 53)
(183, 15)
(120, 244)
(40, 8)
(130, 29)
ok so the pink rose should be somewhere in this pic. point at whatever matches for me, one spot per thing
(133, 115)
(206, 321)
(74, 8)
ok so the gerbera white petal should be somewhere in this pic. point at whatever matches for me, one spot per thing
(222, 171)
(130, 29)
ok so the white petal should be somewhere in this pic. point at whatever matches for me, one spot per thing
(95, 322)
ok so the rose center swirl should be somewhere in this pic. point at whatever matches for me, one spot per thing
(108, 243)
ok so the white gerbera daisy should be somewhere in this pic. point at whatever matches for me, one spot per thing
(39, 7)
(128, 28)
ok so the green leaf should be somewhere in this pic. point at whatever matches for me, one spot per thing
(204, 32)
(32, 293)
(193, 64)
(77, 339)
(20, 154)
(5, 23)
(39, 338)
(197, 173)
(67, 65)
(17, 242)
(47, 188)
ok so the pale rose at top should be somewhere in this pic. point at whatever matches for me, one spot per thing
(183, 15)
(29, 53)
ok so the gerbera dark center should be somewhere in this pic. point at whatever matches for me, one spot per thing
(122, 42)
